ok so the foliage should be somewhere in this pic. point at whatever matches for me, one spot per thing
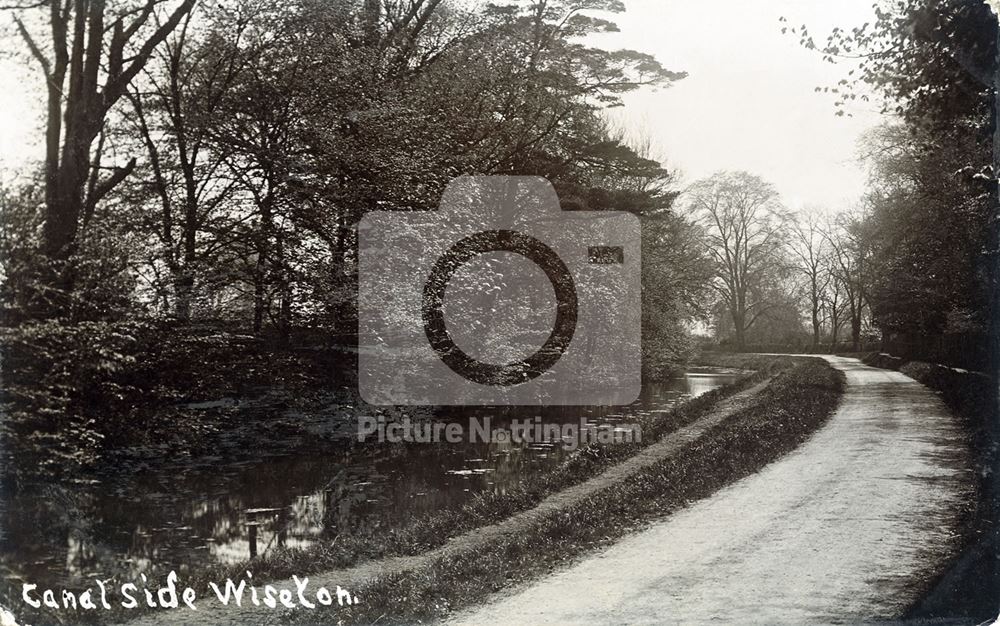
(259, 206)
(932, 62)
(217, 189)
(75, 392)
(676, 273)
(52, 373)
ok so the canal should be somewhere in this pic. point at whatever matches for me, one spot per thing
(210, 513)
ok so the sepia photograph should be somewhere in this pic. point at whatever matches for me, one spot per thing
(499, 312)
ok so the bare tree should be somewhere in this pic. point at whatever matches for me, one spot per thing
(834, 301)
(744, 223)
(809, 249)
(850, 245)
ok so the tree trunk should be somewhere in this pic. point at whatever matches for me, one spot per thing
(258, 303)
(284, 293)
(816, 328)
(186, 280)
(993, 266)
(834, 330)
(739, 323)
(373, 13)
(263, 268)
(183, 293)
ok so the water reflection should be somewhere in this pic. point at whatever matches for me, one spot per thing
(155, 522)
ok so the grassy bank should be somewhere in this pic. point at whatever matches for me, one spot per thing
(741, 361)
(773, 423)
(434, 530)
(967, 589)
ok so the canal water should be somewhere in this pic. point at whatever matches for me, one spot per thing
(154, 522)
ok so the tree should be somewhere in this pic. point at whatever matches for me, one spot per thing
(833, 300)
(850, 243)
(269, 129)
(744, 224)
(934, 200)
(809, 248)
(79, 102)
(927, 221)
(174, 109)
(676, 274)
(513, 95)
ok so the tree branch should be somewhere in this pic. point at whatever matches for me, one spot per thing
(116, 85)
(33, 47)
(104, 187)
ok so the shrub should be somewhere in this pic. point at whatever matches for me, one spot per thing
(73, 391)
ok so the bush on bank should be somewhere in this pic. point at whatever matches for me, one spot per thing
(71, 393)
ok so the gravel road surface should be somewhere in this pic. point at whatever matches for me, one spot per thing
(847, 528)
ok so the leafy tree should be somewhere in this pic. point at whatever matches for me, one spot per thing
(259, 133)
(927, 274)
(174, 107)
(676, 274)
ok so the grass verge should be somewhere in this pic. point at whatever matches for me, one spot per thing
(434, 530)
(776, 421)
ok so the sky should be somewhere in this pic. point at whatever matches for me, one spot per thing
(749, 101)
(20, 108)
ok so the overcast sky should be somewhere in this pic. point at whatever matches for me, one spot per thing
(749, 101)
(20, 108)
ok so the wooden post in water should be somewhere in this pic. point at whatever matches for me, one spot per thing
(252, 537)
(281, 523)
(254, 517)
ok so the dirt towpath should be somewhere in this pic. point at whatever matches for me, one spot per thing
(844, 529)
